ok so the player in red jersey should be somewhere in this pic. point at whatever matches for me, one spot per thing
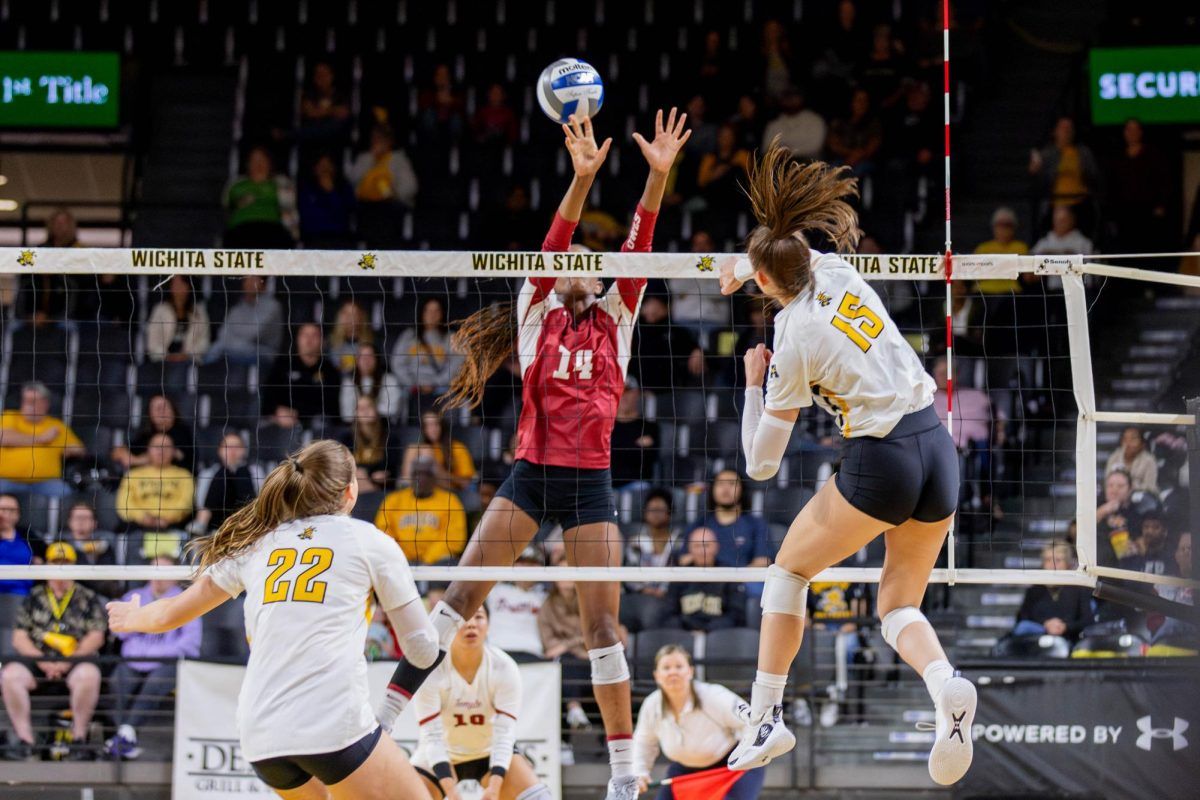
(573, 341)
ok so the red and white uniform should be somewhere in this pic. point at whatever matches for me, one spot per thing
(573, 370)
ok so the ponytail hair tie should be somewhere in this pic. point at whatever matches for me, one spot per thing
(297, 466)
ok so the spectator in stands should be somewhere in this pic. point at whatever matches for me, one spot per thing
(561, 628)
(422, 358)
(847, 42)
(1171, 630)
(912, 130)
(440, 109)
(854, 140)
(1116, 519)
(428, 522)
(967, 313)
(34, 444)
(799, 129)
(748, 121)
(94, 547)
(973, 420)
(326, 204)
(58, 620)
(883, 69)
(225, 487)
(694, 724)
(453, 466)
(303, 386)
(261, 207)
(156, 499)
(375, 448)
(837, 607)
(513, 226)
(252, 332)
(721, 176)
(144, 687)
(777, 66)
(1138, 185)
(695, 303)
(385, 185)
(178, 328)
(752, 334)
(370, 378)
(634, 443)
(701, 605)
(495, 123)
(704, 133)
(513, 607)
(1134, 458)
(1056, 610)
(49, 299)
(1004, 241)
(16, 548)
(713, 78)
(1066, 172)
(161, 417)
(654, 543)
(351, 328)
(1151, 552)
(1064, 237)
(742, 539)
(665, 356)
(324, 110)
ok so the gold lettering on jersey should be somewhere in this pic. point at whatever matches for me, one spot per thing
(508, 262)
(197, 259)
(578, 262)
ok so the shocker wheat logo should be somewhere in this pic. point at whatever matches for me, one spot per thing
(367, 261)
(26, 258)
(824, 299)
(308, 532)
(705, 264)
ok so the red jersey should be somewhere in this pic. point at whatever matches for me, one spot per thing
(573, 370)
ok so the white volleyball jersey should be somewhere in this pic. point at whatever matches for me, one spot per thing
(307, 585)
(466, 710)
(835, 345)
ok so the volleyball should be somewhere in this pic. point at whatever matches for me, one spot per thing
(570, 86)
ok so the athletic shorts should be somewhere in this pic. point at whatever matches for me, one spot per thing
(912, 473)
(292, 772)
(474, 770)
(570, 497)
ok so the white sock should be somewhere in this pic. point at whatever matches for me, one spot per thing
(766, 693)
(620, 755)
(936, 674)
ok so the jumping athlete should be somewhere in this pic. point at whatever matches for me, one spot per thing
(836, 346)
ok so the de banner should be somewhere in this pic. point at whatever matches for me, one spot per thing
(208, 764)
(1093, 733)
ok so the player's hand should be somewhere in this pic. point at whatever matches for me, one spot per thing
(492, 792)
(450, 788)
(729, 284)
(1055, 626)
(121, 615)
(669, 139)
(643, 783)
(756, 361)
(586, 157)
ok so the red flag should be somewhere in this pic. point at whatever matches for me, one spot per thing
(711, 784)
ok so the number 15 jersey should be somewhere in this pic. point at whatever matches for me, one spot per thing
(307, 585)
(836, 346)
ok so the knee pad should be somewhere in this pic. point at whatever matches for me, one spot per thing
(897, 620)
(784, 592)
(538, 791)
(609, 665)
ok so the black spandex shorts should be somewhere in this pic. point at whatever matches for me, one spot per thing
(292, 772)
(912, 473)
(571, 497)
(465, 771)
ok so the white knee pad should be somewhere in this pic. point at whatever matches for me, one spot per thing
(897, 620)
(784, 592)
(609, 665)
(537, 792)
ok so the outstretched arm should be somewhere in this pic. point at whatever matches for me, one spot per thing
(168, 613)
(660, 154)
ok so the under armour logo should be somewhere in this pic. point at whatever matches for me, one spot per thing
(957, 729)
(1149, 733)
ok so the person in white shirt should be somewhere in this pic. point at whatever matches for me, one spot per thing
(514, 607)
(836, 346)
(467, 711)
(307, 568)
(800, 130)
(1137, 461)
(1064, 238)
(694, 724)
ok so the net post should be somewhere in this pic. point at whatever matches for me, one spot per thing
(1193, 450)
(1083, 388)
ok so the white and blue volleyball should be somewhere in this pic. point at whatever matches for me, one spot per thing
(570, 86)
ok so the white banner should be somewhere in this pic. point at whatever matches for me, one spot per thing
(208, 764)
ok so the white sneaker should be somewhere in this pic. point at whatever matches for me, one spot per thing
(577, 719)
(801, 714)
(625, 788)
(952, 745)
(765, 739)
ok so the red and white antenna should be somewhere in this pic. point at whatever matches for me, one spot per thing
(949, 255)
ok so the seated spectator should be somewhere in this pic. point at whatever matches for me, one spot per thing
(58, 620)
(226, 487)
(1171, 630)
(351, 328)
(561, 628)
(160, 417)
(742, 539)
(326, 203)
(261, 207)
(702, 605)
(698, 304)
(1133, 457)
(252, 332)
(634, 443)
(1139, 188)
(1064, 237)
(883, 69)
(47, 299)
(799, 129)
(665, 356)
(749, 123)
(422, 358)
(713, 79)
(1057, 610)
(16, 548)
(33, 445)
(973, 420)
(1117, 522)
(513, 607)
(374, 447)
(427, 522)
(911, 132)
(1066, 173)
(514, 225)
(305, 382)
(178, 328)
(440, 109)
(453, 467)
(721, 175)
(93, 547)
(1151, 552)
(324, 110)
(1004, 241)
(854, 140)
(837, 607)
(495, 124)
(145, 687)
(370, 378)
(777, 68)
(156, 499)
(654, 543)
(385, 184)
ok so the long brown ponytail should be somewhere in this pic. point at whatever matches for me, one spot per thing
(789, 200)
(307, 483)
(485, 340)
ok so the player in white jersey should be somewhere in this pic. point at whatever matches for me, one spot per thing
(308, 570)
(467, 710)
(835, 345)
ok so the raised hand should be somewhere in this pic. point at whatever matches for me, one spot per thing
(729, 283)
(586, 157)
(120, 614)
(668, 141)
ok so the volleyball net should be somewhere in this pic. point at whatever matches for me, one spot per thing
(227, 337)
